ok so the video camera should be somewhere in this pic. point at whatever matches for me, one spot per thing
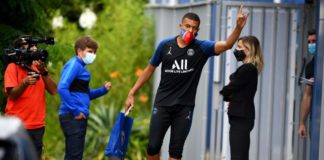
(22, 56)
(47, 40)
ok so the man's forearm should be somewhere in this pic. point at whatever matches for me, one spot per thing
(142, 79)
(229, 42)
(305, 109)
(139, 83)
(15, 92)
(50, 85)
(306, 104)
(232, 38)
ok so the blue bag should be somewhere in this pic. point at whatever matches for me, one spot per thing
(118, 141)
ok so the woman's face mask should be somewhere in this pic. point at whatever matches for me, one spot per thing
(239, 55)
(187, 36)
(89, 58)
(311, 48)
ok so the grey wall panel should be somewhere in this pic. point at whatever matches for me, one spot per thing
(317, 102)
(321, 65)
(321, 12)
(266, 88)
(280, 79)
(257, 21)
(318, 96)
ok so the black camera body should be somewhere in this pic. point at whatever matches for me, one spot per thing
(24, 56)
(47, 40)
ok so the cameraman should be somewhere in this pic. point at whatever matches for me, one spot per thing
(26, 92)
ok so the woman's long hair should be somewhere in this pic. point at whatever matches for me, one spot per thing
(255, 57)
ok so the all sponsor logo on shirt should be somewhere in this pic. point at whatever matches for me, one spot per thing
(180, 66)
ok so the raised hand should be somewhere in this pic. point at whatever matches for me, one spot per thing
(40, 66)
(242, 16)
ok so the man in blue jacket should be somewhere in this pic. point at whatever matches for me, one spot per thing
(76, 94)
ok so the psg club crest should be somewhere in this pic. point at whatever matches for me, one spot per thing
(190, 52)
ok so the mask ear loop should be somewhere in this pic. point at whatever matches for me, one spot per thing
(180, 29)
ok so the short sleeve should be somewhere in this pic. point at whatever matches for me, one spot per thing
(309, 71)
(208, 48)
(10, 77)
(157, 56)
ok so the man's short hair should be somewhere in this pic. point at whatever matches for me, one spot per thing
(192, 16)
(311, 32)
(84, 42)
(21, 40)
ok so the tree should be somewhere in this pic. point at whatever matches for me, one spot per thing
(22, 17)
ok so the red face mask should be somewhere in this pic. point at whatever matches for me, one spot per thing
(187, 36)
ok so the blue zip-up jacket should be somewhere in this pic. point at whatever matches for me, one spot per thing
(75, 101)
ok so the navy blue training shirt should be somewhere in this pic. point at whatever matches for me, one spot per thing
(181, 70)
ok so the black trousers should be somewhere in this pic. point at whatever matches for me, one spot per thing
(36, 135)
(240, 128)
(74, 132)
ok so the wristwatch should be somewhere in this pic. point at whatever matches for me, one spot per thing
(45, 73)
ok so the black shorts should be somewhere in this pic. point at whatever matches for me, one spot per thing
(179, 117)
